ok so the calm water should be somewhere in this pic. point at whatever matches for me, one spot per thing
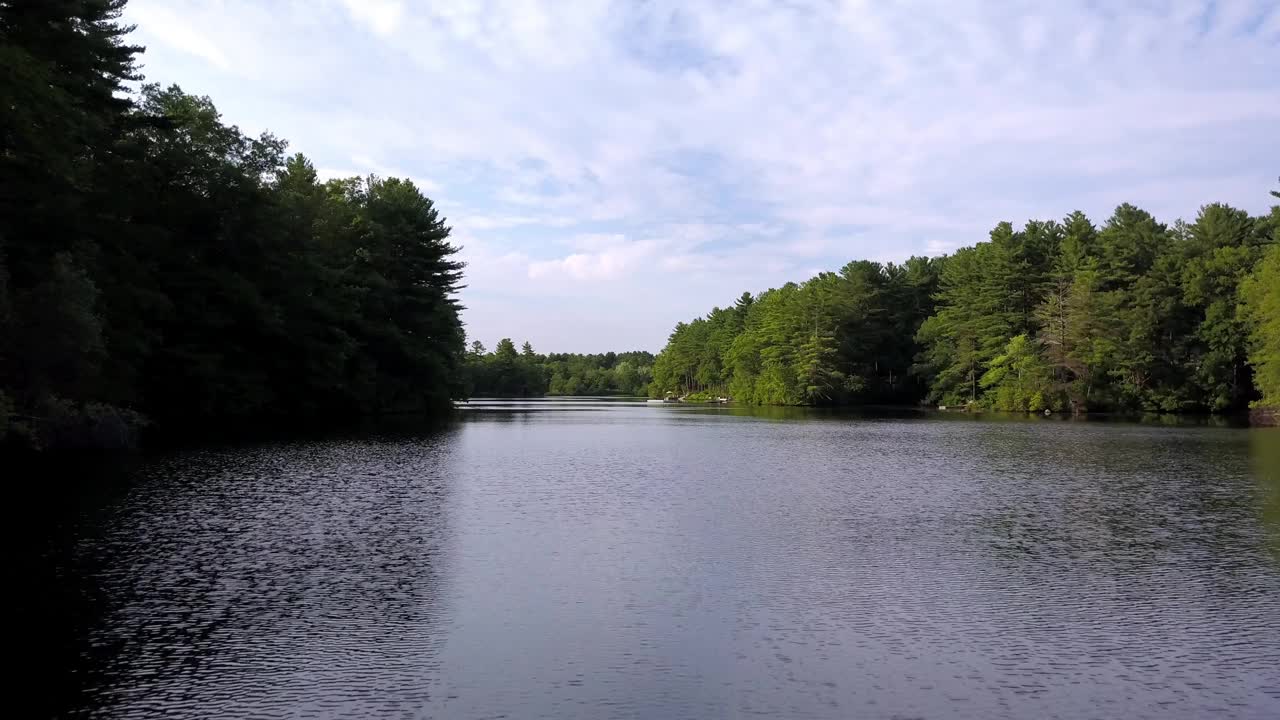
(596, 559)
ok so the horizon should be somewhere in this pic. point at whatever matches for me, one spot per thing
(607, 161)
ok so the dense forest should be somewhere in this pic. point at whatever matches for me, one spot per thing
(1132, 315)
(508, 373)
(156, 262)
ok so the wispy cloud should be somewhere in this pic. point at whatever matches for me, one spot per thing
(176, 31)
(612, 167)
(362, 165)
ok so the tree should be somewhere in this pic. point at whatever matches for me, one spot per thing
(1260, 309)
(506, 373)
(824, 341)
(1135, 316)
(1219, 256)
(62, 65)
(1076, 335)
(155, 258)
(505, 351)
(1020, 379)
(61, 333)
(974, 321)
(63, 69)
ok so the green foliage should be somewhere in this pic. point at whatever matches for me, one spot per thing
(154, 259)
(1260, 295)
(506, 373)
(834, 339)
(978, 311)
(1054, 316)
(1020, 379)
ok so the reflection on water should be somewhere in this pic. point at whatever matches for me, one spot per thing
(1265, 450)
(612, 558)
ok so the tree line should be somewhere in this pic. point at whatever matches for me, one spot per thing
(508, 373)
(156, 262)
(1058, 315)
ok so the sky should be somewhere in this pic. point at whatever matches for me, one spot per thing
(612, 167)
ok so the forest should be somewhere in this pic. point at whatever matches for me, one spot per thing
(508, 373)
(1132, 315)
(158, 264)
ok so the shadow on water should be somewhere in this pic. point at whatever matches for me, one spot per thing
(278, 578)
(205, 435)
(1265, 452)
(888, 412)
(52, 502)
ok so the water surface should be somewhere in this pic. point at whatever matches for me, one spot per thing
(616, 559)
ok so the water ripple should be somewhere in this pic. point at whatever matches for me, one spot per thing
(628, 561)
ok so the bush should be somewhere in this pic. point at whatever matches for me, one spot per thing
(64, 424)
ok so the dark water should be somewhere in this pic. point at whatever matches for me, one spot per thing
(615, 560)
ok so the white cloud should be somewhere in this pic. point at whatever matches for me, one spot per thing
(178, 32)
(602, 258)
(502, 222)
(363, 167)
(381, 16)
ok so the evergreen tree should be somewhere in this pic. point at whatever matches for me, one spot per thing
(1058, 315)
(1019, 379)
(156, 259)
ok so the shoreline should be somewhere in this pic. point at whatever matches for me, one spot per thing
(1264, 417)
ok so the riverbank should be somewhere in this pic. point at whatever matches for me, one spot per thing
(1265, 417)
(113, 432)
(124, 432)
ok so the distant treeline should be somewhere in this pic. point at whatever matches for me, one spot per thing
(1135, 315)
(157, 262)
(508, 373)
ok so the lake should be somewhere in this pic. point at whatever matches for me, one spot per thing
(615, 559)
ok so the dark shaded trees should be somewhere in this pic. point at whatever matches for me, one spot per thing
(156, 259)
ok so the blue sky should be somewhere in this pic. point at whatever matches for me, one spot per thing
(613, 167)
